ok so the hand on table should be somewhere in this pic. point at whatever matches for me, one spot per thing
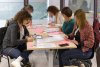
(51, 24)
(74, 41)
(65, 37)
(29, 39)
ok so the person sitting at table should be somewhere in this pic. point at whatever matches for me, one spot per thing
(54, 15)
(16, 37)
(68, 24)
(29, 8)
(84, 39)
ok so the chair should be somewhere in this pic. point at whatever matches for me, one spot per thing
(86, 62)
(2, 34)
(7, 57)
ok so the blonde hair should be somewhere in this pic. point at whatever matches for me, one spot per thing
(80, 15)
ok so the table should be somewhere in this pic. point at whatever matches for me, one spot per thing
(50, 42)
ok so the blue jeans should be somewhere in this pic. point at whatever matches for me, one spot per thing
(73, 54)
(16, 52)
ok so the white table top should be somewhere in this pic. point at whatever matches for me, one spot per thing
(47, 46)
(51, 42)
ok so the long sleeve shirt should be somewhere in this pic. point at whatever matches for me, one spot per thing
(68, 26)
(87, 37)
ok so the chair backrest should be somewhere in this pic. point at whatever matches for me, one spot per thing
(93, 50)
(92, 54)
(2, 34)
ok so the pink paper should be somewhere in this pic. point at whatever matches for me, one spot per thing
(38, 30)
(62, 42)
(30, 44)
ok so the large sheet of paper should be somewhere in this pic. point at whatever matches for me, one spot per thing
(52, 38)
(38, 30)
(46, 45)
(55, 33)
(51, 29)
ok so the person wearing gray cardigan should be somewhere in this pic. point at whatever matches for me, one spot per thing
(16, 37)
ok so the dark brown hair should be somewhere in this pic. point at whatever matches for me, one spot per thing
(22, 15)
(67, 11)
(53, 9)
(80, 15)
(28, 7)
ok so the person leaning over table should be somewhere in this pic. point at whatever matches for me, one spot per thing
(28, 8)
(16, 37)
(54, 15)
(68, 24)
(83, 38)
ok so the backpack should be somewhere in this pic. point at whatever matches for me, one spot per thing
(96, 28)
(3, 30)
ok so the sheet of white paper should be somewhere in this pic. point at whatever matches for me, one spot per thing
(50, 39)
(51, 29)
(46, 45)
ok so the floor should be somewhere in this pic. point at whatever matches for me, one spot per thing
(4, 62)
(94, 61)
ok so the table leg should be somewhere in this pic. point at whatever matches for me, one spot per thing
(50, 58)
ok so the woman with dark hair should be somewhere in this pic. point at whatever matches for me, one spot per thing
(28, 8)
(55, 15)
(67, 26)
(16, 37)
(83, 38)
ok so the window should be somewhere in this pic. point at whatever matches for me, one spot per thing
(8, 8)
(40, 7)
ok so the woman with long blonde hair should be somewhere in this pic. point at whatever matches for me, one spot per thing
(83, 38)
